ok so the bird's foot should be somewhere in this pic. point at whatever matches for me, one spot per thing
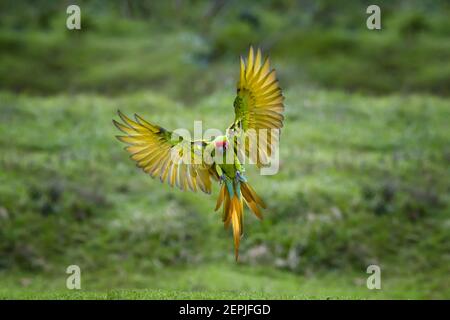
(240, 176)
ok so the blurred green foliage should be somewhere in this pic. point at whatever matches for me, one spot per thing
(364, 157)
(130, 45)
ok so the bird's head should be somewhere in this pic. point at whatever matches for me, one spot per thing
(221, 143)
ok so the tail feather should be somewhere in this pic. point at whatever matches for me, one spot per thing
(220, 198)
(233, 208)
(254, 207)
(236, 220)
(226, 216)
(249, 193)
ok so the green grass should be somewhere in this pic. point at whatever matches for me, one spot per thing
(214, 282)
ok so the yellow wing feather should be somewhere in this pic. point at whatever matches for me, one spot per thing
(258, 104)
(154, 151)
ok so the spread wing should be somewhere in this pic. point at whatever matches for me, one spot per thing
(160, 153)
(258, 105)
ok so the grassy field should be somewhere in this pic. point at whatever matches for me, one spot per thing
(78, 199)
(217, 282)
(365, 151)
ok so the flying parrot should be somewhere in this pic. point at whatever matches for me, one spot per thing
(180, 162)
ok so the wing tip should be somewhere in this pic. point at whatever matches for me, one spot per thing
(117, 124)
(120, 138)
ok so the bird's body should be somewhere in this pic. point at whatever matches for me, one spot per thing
(191, 165)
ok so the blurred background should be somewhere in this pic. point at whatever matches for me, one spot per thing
(364, 176)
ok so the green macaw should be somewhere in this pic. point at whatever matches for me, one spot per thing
(160, 153)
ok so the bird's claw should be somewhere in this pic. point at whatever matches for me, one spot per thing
(240, 176)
